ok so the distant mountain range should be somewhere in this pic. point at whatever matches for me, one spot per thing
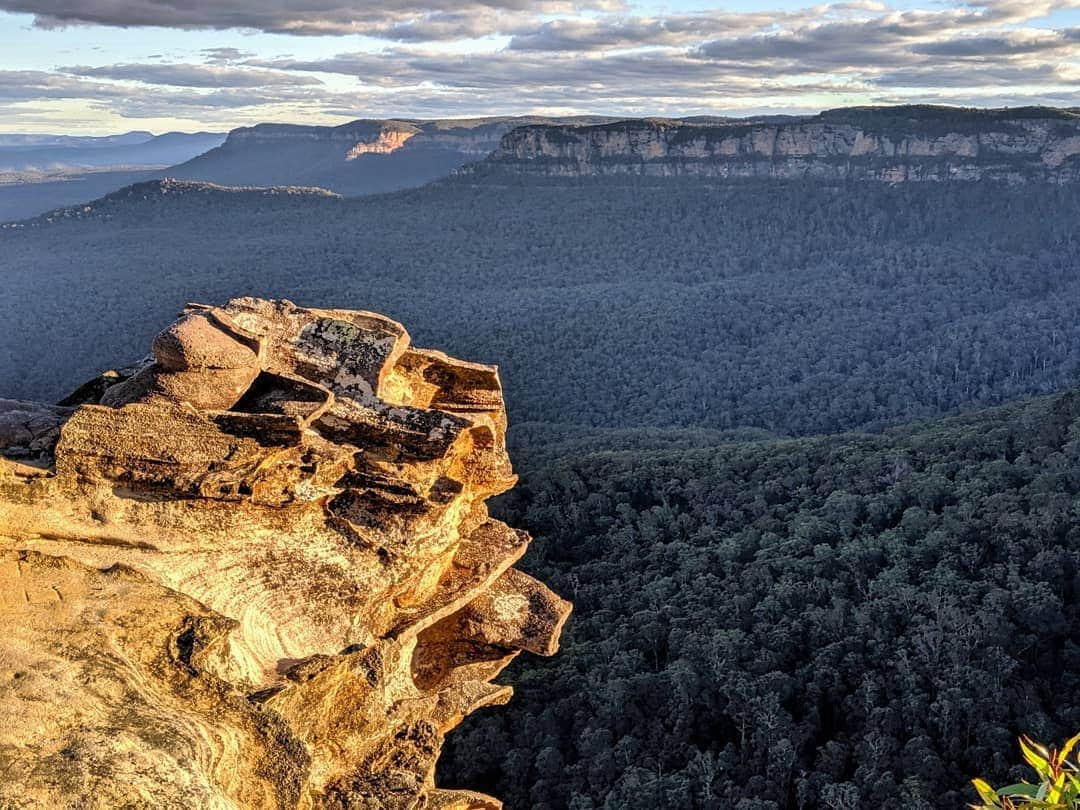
(27, 141)
(41, 172)
(49, 153)
(892, 144)
(361, 157)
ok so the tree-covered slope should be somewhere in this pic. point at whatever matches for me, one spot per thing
(793, 308)
(842, 622)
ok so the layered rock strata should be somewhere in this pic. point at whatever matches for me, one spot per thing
(256, 570)
(895, 145)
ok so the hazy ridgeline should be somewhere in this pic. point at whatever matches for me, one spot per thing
(793, 308)
(845, 622)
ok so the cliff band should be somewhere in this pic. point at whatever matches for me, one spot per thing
(891, 144)
(256, 570)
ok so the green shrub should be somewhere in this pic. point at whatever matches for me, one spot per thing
(1059, 788)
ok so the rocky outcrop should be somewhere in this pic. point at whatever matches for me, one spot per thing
(256, 570)
(885, 144)
(386, 142)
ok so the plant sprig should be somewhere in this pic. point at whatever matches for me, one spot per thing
(1058, 788)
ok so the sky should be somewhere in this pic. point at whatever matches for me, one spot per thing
(107, 66)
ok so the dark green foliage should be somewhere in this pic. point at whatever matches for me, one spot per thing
(848, 622)
(790, 308)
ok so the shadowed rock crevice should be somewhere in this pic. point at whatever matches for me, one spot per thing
(257, 570)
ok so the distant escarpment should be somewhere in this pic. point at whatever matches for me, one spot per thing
(362, 157)
(257, 570)
(891, 144)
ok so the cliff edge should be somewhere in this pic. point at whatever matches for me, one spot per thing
(256, 570)
(891, 144)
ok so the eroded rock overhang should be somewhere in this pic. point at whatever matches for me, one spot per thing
(257, 569)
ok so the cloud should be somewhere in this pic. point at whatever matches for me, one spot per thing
(599, 34)
(210, 76)
(1005, 44)
(220, 56)
(440, 20)
(909, 46)
(831, 56)
(434, 61)
(22, 91)
(994, 77)
(653, 74)
(32, 85)
(300, 17)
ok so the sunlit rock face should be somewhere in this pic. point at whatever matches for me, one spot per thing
(893, 145)
(257, 570)
(387, 141)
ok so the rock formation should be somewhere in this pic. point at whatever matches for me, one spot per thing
(387, 141)
(256, 570)
(892, 144)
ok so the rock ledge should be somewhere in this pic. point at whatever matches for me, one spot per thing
(257, 570)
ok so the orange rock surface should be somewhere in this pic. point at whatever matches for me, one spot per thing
(257, 570)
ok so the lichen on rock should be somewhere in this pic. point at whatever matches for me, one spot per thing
(257, 570)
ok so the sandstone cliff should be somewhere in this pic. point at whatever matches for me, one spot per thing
(885, 144)
(256, 570)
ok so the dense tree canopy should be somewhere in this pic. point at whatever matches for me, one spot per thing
(793, 308)
(847, 622)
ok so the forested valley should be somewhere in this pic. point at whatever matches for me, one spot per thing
(796, 583)
(795, 309)
(841, 622)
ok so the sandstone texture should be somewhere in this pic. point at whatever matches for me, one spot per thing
(256, 570)
(884, 144)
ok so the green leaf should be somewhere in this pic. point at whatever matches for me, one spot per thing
(1019, 789)
(1036, 756)
(1068, 747)
(986, 793)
